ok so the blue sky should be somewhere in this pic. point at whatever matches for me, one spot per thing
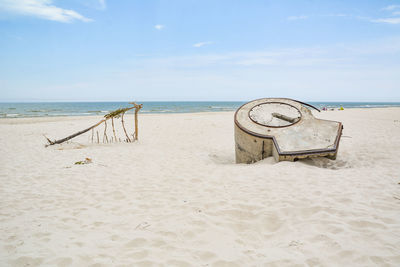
(93, 50)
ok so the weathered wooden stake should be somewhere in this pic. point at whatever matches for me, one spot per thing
(136, 124)
(123, 126)
(112, 123)
(105, 132)
(137, 108)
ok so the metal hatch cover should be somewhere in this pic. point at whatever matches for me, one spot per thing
(283, 128)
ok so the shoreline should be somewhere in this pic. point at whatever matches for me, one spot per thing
(174, 113)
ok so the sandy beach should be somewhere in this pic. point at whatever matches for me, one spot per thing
(177, 198)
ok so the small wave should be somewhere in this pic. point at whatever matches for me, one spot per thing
(61, 114)
(216, 107)
(377, 106)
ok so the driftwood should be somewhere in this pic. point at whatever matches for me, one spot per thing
(105, 132)
(73, 135)
(112, 123)
(114, 114)
(137, 108)
(123, 126)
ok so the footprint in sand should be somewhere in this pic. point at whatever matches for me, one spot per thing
(158, 243)
(137, 242)
(206, 255)
(144, 264)
(240, 214)
(61, 262)
(9, 248)
(27, 261)
(167, 234)
(118, 195)
(115, 238)
(138, 255)
(222, 263)
(178, 263)
(97, 224)
(271, 223)
(42, 235)
(367, 224)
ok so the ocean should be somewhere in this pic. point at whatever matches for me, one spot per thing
(46, 109)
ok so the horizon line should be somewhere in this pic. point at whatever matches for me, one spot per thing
(115, 101)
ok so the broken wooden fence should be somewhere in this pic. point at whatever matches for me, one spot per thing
(116, 114)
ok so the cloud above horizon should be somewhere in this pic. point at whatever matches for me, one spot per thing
(102, 4)
(391, 7)
(252, 74)
(297, 17)
(392, 20)
(159, 27)
(387, 20)
(202, 44)
(43, 9)
(95, 4)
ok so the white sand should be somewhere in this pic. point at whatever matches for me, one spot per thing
(176, 198)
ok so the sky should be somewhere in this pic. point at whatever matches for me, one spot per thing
(192, 50)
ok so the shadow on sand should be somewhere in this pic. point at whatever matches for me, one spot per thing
(325, 163)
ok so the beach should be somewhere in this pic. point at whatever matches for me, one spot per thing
(176, 197)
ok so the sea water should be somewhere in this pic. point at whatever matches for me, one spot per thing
(45, 109)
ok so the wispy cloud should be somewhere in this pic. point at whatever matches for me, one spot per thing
(391, 7)
(102, 4)
(387, 20)
(332, 72)
(159, 27)
(43, 9)
(335, 15)
(351, 69)
(202, 44)
(297, 17)
(339, 55)
(95, 4)
(394, 9)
